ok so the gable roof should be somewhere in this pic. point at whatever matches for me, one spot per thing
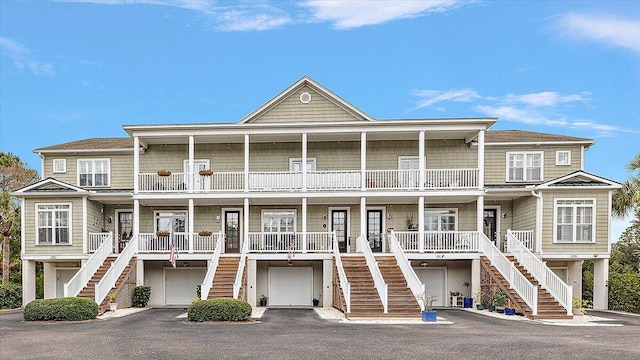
(579, 178)
(50, 186)
(503, 137)
(307, 83)
(91, 144)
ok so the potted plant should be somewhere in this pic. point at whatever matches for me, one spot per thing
(164, 172)
(467, 300)
(578, 308)
(477, 298)
(205, 172)
(409, 221)
(113, 301)
(316, 300)
(500, 300)
(162, 233)
(428, 314)
(263, 300)
(204, 233)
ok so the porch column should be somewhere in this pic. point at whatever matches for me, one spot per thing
(574, 277)
(28, 281)
(421, 154)
(85, 229)
(363, 161)
(246, 219)
(363, 216)
(191, 156)
(251, 289)
(304, 224)
(139, 272)
(136, 164)
(475, 278)
(246, 162)
(481, 159)
(191, 225)
(50, 280)
(327, 283)
(480, 213)
(600, 288)
(304, 163)
(421, 224)
(136, 217)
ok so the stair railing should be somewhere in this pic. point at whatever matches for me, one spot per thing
(237, 284)
(413, 282)
(207, 283)
(362, 244)
(344, 284)
(82, 277)
(518, 282)
(108, 281)
(557, 288)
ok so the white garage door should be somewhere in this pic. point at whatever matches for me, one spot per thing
(180, 285)
(435, 280)
(290, 286)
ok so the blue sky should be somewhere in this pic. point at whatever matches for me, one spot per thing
(74, 69)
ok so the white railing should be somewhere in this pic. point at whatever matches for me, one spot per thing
(393, 179)
(94, 240)
(205, 243)
(152, 182)
(438, 241)
(275, 181)
(219, 181)
(527, 291)
(82, 277)
(108, 281)
(417, 287)
(524, 236)
(451, 178)
(237, 284)
(562, 292)
(334, 180)
(211, 269)
(362, 245)
(315, 242)
(344, 284)
(152, 243)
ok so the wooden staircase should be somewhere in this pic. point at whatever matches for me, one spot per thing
(548, 307)
(224, 278)
(402, 303)
(89, 290)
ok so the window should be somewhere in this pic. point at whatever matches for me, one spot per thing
(574, 220)
(53, 224)
(278, 221)
(93, 172)
(524, 166)
(59, 165)
(296, 164)
(171, 221)
(440, 219)
(563, 158)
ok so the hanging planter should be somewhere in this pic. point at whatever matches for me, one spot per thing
(164, 172)
(204, 233)
(206, 172)
(162, 233)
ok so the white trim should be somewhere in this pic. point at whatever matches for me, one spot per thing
(330, 209)
(23, 227)
(455, 212)
(610, 240)
(295, 217)
(575, 256)
(582, 157)
(70, 225)
(116, 226)
(93, 173)
(186, 217)
(567, 153)
(498, 209)
(309, 162)
(573, 220)
(136, 163)
(77, 190)
(223, 226)
(538, 143)
(383, 225)
(611, 184)
(524, 166)
(39, 257)
(481, 145)
(85, 220)
(83, 151)
(64, 166)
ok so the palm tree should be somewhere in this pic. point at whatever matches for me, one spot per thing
(627, 198)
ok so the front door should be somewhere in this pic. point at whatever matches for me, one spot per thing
(199, 182)
(408, 175)
(490, 224)
(232, 231)
(339, 226)
(124, 228)
(374, 229)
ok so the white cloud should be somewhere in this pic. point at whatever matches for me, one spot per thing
(352, 14)
(610, 30)
(235, 20)
(22, 58)
(435, 96)
(545, 98)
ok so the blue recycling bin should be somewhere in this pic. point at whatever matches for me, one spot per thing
(468, 303)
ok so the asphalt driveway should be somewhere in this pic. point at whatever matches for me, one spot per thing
(301, 334)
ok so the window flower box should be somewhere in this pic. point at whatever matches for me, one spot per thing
(204, 233)
(164, 172)
(162, 233)
(206, 172)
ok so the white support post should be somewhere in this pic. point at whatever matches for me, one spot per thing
(480, 214)
(136, 217)
(421, 224)
(363, 216)
(246, 219)
(304, 224)
(475, 278)
(600, 288)
(191, 224)
(85, 228)
(481, 159)
(363, 161)
(136, 164)
(191, 170)
(139, 272)
(49, 272)
(304, 162)
(28, 281)
(421, 154)
(327, 282)
(246, 162)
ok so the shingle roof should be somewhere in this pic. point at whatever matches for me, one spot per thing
(500, 136)
(92, 144)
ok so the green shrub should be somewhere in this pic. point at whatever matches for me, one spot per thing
(624, 292)
(199, 291)
(10, 296)
(141, 295)
(220, 309)
(69, 308)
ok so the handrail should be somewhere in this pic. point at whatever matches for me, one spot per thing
(413, 282)
(237, 284)
(81, 278)
(383, 289)
(207, 283)
(527, 291)
(344, 284)
(562, 292)
(108, 281)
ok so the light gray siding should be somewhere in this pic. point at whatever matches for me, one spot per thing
(77, 236)
(121, 168)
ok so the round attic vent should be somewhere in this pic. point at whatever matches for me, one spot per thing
(305, 98)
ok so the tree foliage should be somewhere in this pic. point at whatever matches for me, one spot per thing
(627, 199)
(624, 292)
(14, 174)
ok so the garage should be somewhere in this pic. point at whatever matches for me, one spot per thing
(290, 286)
(180, 284)
(435, 280)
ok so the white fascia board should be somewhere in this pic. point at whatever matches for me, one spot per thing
(575, 256)
(83, 151)
(56, 257)
(611, 184)
(285, 256)
(23, 191)
(537, 143)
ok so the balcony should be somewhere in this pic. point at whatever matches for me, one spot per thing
(314, 242)
(438, 241)
(154, 244)
(283, 181)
